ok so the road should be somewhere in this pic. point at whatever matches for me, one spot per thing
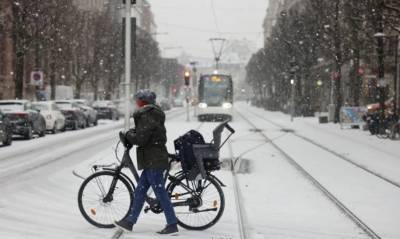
(277, 199)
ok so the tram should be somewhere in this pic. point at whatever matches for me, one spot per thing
(215, 97)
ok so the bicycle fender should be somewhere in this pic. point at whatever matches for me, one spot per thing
(217, 179)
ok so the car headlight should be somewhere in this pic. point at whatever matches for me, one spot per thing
(226, 105)
(203, 105)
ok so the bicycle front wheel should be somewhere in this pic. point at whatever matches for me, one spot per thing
(198, 204)
(99, 210)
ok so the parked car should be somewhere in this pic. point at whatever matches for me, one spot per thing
(25, 121)
(90, 113)
(66, 104)
(74, 116)
(178, 102)
(165, 104)
(55, 120)
(74, 119)
(106, 110)
(5, 129)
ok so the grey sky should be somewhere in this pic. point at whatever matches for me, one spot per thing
(190, 23)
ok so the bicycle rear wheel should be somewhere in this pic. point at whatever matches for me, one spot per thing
(92, 203)
(201, 203)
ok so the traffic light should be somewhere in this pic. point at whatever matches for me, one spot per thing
(187, 78)
(132, 1)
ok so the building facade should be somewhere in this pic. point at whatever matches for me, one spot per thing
(6, 51)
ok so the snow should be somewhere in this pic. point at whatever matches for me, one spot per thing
(43, 204)
(373, 200)
(278, 201)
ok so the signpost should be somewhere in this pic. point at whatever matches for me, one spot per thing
(37, 78)
(128, 50)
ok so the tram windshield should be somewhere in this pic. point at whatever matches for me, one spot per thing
(215, 90)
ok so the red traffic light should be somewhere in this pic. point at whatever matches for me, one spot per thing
(187, 78)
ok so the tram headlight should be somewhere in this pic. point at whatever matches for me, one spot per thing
(203, 105)
(226, 105)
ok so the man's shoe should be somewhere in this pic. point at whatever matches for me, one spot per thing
(124, 225)
(171, 230)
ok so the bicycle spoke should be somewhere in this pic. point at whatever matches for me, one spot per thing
(105, 212)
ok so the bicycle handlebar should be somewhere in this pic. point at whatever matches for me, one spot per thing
(228, 127)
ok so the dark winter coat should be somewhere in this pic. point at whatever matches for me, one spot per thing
(150, 137)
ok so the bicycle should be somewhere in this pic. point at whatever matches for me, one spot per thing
(106, 195)
(394, 131)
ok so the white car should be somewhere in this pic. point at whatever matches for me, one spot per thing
(55, 120)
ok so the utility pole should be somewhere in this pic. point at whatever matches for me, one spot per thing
(128, 52)
(194, 86)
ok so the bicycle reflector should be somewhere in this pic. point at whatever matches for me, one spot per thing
(215, 204)
(93, 211)
(176, 196)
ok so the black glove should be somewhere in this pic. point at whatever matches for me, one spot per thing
(131, 137)
(124, 141)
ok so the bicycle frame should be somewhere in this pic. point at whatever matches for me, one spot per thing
(127, 162)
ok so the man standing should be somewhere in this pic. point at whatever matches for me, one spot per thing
(149, 135)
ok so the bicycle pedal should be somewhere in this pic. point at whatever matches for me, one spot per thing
(147, 209)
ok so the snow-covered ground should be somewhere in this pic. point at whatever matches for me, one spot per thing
(372, 199)
(38, 190)
(43, 202)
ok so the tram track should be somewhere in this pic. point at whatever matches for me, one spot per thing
(329, 195)
(347, 159)
(239, 209)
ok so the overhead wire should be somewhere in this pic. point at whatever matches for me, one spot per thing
(215, 17)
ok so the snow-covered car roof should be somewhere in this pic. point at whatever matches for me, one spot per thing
(103, 103)
(15, 101)
(43, 102)
(13, 106)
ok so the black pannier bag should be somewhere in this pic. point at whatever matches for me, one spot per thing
(197, 157)
(184, 148)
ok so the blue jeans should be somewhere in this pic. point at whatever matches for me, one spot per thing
(155, 179)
